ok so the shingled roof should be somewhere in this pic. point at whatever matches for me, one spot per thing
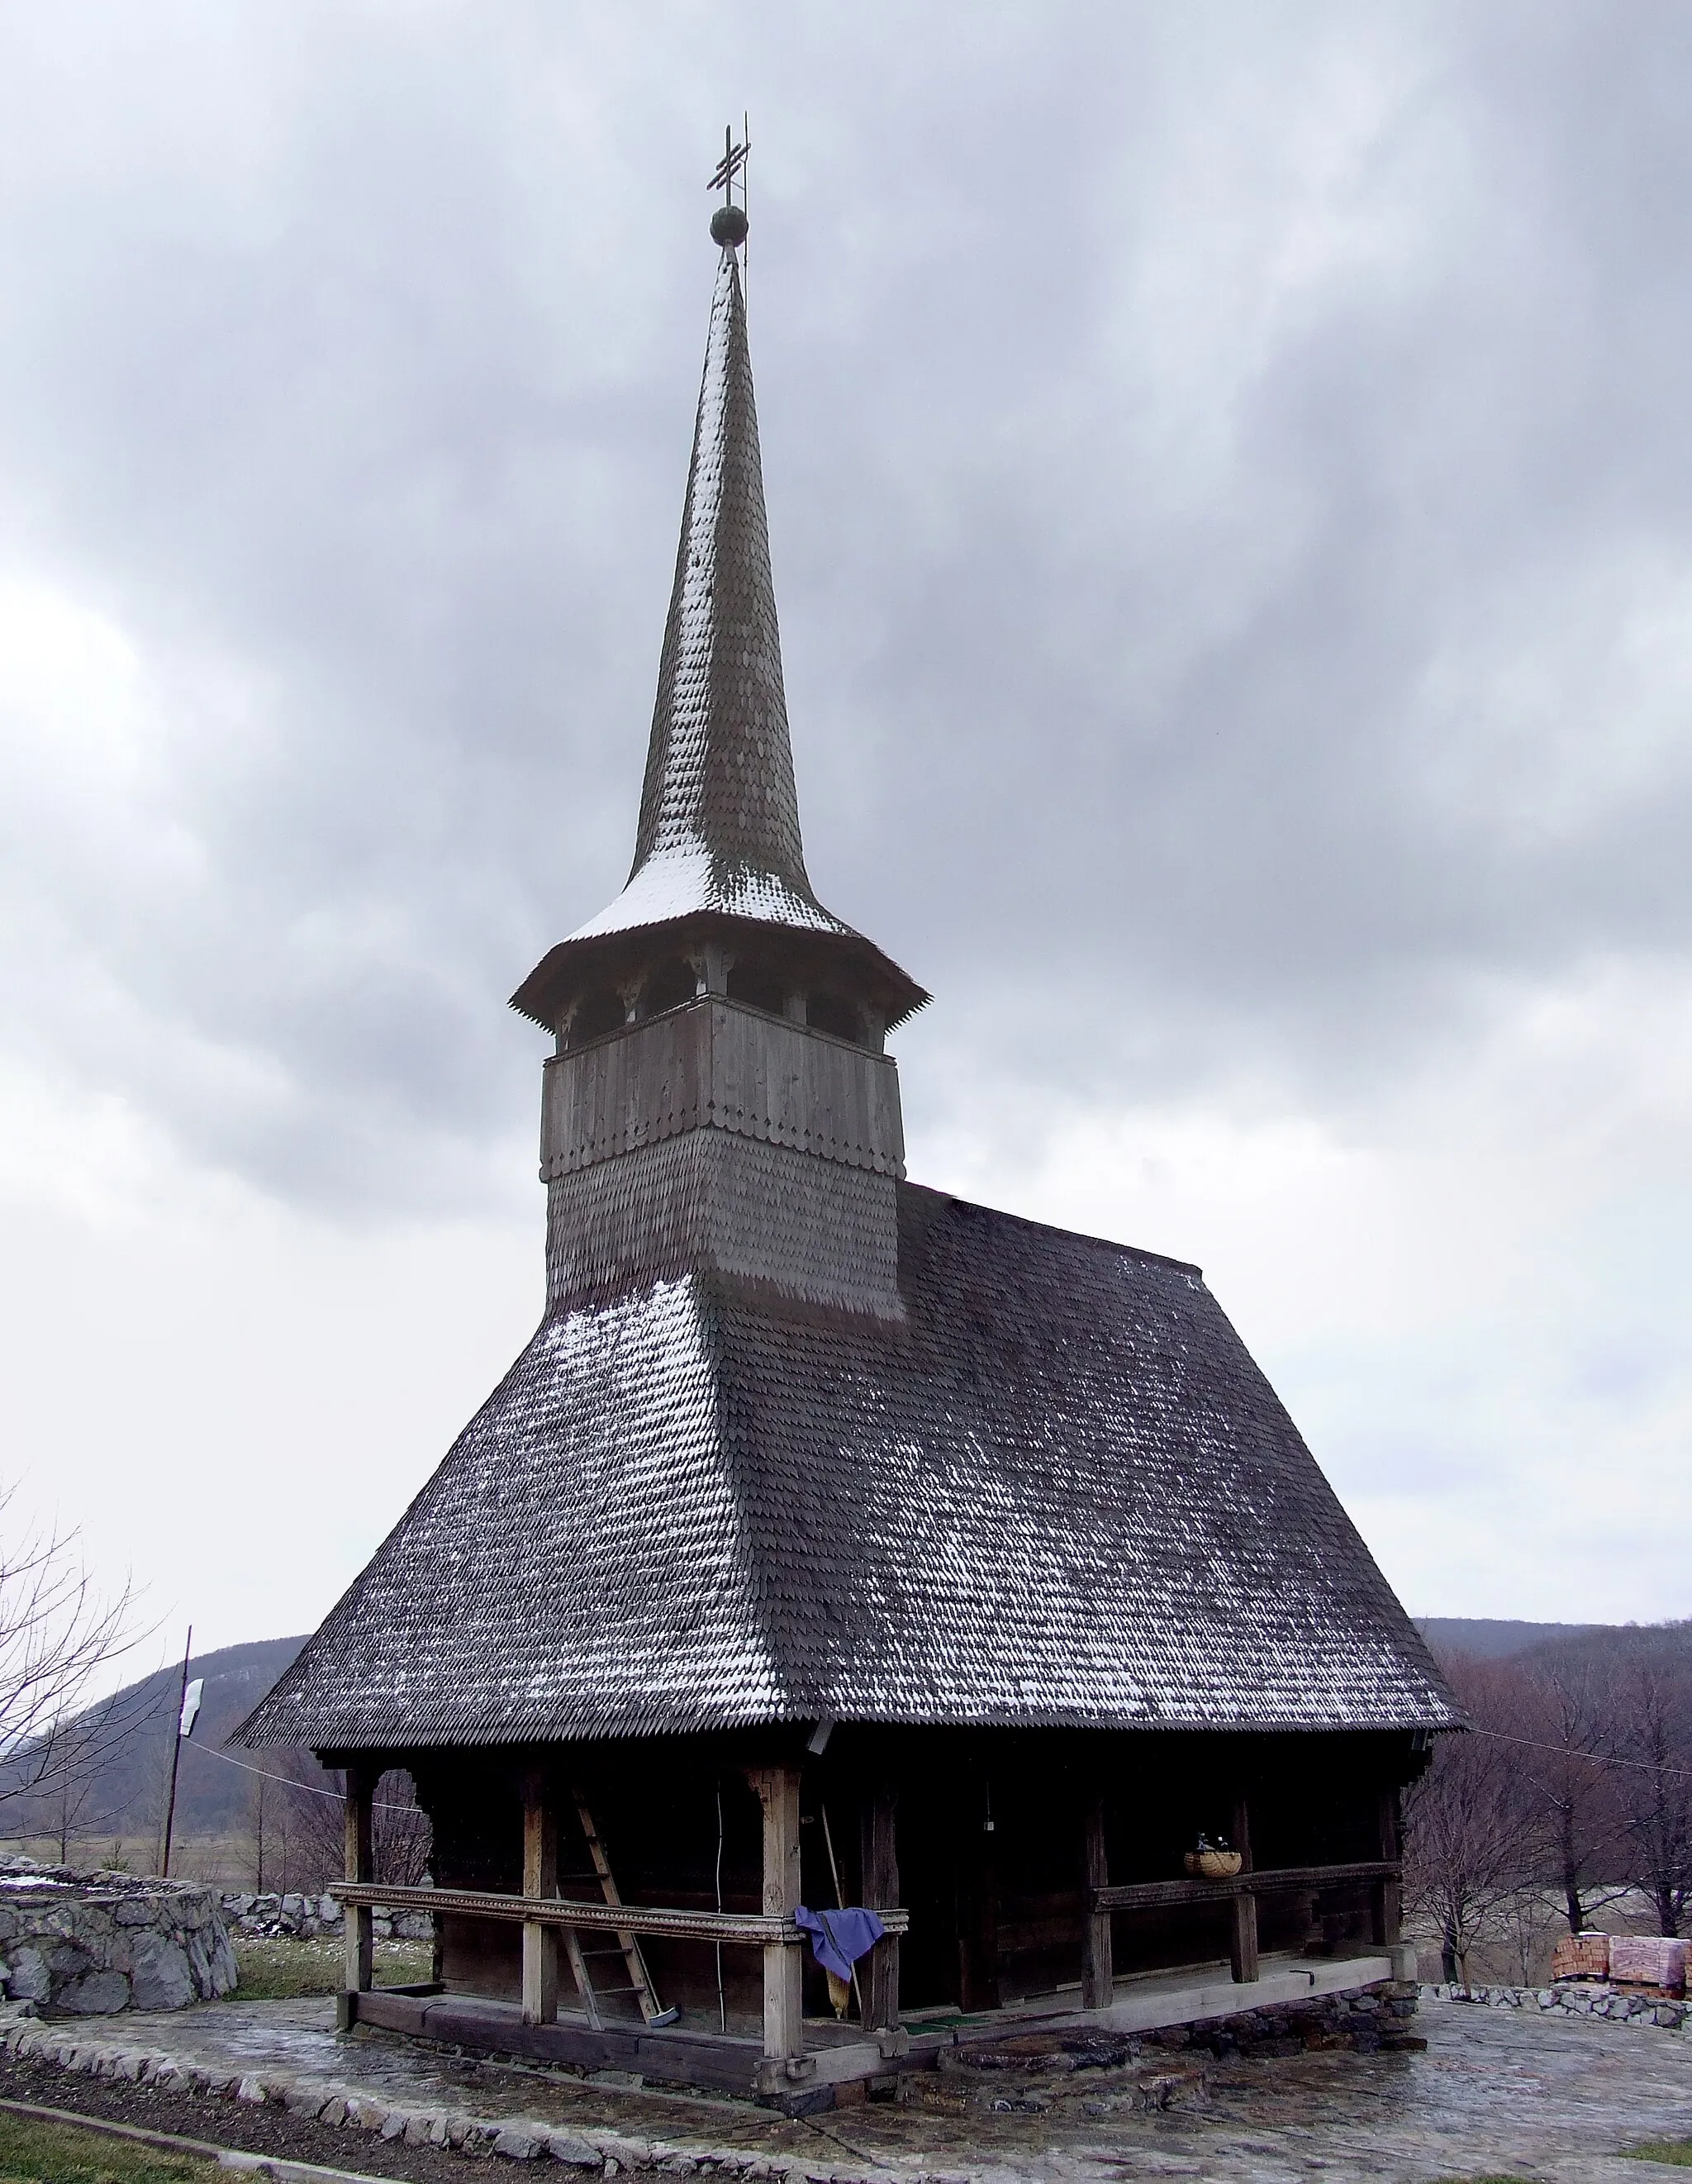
(718, 837)
(796, 1438)
(1062, 1493)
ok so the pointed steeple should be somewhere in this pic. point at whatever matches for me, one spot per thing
(719, 799)
(718, 841)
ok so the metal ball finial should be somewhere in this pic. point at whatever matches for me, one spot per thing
(728, 226)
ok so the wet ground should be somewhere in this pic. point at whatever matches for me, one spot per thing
(1496, 2093)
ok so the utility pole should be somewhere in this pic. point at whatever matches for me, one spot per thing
(175, 1757)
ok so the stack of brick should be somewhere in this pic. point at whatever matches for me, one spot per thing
(1582, 1956)
(1655, 1961)
(1637, 1963)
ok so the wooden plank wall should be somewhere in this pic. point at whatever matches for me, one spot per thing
(716, 1064)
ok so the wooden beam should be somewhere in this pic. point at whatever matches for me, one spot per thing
(1162, 1895)
(1242, 1949)
(749, 1928)
(1386, 1897)
(360, 1862)
(540, 1878)
(880, 1891)
(721, 2064)
(1098, 1969)
(779, 1792)
(669, 2054)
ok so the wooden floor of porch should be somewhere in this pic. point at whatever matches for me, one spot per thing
(705, 2056)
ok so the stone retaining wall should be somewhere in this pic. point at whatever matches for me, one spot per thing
(311, 1917)
(84, 1944)
(1572, 1999)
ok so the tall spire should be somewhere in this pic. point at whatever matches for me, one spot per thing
(719, 824)
(718, 837)
(720, 766)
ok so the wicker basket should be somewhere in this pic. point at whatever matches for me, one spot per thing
(1214, 1864)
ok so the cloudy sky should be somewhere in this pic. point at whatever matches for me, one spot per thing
(1230, 489)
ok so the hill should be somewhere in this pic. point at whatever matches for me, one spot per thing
(125, 1799)
(1485, 1640)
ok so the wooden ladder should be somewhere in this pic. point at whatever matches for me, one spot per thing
(626, 1949)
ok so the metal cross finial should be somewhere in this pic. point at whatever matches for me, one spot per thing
(732, 161)
(728, 221)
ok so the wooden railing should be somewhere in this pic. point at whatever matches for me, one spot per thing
(752, 1929)
(1270, 1881)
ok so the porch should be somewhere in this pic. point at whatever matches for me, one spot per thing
(1017, 1925)
(780, 2054)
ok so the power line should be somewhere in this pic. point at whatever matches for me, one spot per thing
(1574, 1751)
(311, 1790)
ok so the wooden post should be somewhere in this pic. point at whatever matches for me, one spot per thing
(1243, 1954)
(881, 1892)
(540, 1878)
(779, 1792)
(1386, 1898)
(360, 1931)
(1098, 1971)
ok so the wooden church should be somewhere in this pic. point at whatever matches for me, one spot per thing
(835, 1542)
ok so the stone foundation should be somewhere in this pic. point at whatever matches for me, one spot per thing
(1368, 2020)
(81, 1944)
(1028, 2072)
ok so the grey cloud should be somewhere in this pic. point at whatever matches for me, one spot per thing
(1175, 427)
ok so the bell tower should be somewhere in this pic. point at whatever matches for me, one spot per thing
(720, 1103)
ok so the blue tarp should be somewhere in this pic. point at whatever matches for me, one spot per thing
(839, 1938)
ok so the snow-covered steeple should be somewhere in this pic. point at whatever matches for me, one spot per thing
(719, 815)
(719, 875)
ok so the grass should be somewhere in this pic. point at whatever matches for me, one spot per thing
(1673, 2153)
(274, 1968)
(57, 2154)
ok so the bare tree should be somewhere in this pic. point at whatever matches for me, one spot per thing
(315, 1823)
(256, 1816)
(285, 1809)
(1528, 1921)
(72, 1814)
(1469, 1848)
(402, 1840)
(401, 1837)
(1654, 1710)
(1566, 1727)
(57, 1636)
